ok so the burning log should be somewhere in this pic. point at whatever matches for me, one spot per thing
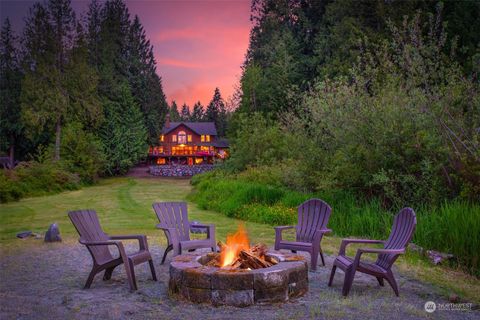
(254, 258)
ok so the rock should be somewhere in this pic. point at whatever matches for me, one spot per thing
(53, 233)
(24, 234)
(194, 229)
(438, 257)
(415, 248)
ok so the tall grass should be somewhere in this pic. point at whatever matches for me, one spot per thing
(452, 227)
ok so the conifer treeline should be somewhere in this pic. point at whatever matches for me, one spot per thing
(216, 112)
(95, 75)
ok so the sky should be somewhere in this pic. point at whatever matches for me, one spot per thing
(198, 45)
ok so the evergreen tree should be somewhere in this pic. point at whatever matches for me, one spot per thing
(93, 22)
(114, 31)
(46, 95)
(197, 113)
(123, 133)
(174, 114)
(144, 82)
(216, 112)
(185, 115)
(10, 87)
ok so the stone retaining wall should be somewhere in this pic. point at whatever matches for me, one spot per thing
(179, 170)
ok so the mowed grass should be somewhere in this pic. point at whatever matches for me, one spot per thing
(124, 206)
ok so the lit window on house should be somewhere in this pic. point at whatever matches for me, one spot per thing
(162, 138)
(202, 138)
(207, 138)
(189, 138)
(182, 137)
(174, 138)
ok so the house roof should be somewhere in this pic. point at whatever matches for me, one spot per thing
(220, 143)
(197, 127)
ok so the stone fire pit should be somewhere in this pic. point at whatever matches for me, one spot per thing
(192, 280)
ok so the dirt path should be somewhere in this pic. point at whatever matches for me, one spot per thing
(44, 281)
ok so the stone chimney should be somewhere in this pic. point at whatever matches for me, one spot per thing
(167, 121)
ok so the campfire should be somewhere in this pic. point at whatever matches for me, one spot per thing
(237, 253)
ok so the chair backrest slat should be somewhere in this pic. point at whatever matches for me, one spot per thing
(402, 232)
(174, 215)
(313, 214)
(88, 227)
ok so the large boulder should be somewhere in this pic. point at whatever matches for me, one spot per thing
(53, 233)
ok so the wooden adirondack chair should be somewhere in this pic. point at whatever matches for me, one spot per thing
(173, 218)
(97, 242)
(401, 234)
(313, 218)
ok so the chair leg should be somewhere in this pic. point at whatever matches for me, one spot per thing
(108, 273)
(314, 259)
(393, 283)
(90, 278)
(130, 274)
(321, 256)
(167, 250)
(152, 269)
(380, 281)
(332, 275)
(347, 284)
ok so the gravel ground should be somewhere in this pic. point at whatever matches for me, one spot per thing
(45, 281)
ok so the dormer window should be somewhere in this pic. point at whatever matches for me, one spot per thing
(182, 137)
(205, 138)
(174, 138)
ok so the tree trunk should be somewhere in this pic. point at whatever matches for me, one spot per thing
(58, 130)
(11, 153)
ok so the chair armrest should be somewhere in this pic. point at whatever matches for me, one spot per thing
(361, 251)
(379, 250)
(317, 236)
(118, 244)
(210, 229)
(279, 230)
(325, 230)
(142, 239)
(99, 243)
(346, 242)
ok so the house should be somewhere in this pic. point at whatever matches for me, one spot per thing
(191, 143)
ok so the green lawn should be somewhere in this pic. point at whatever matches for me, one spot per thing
(124, 207)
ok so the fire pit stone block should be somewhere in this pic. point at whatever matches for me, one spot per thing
(200, 277)
(237, 298)
(275, 294)
(232, 280)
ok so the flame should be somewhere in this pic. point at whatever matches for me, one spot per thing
(235, 243)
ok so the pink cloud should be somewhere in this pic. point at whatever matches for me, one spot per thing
(177, 63)
(199, 45)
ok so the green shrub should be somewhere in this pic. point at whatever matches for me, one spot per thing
(452, 227)
(36, 179)
(82, 153)
(9, 190)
